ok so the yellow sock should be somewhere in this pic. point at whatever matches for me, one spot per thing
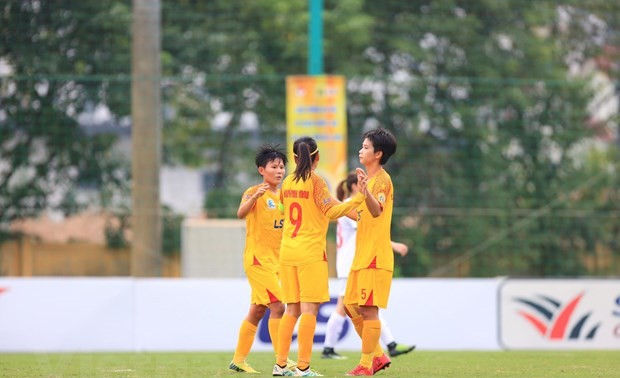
(273, 326)
(358, 323)
(246, 339)
(370, 338)
(285, 337)
(305, 340)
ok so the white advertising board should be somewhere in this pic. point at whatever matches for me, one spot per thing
(125, 314)
(560, 314)
(205, 315)
(66, 314)
(445, 314)
(189, 314)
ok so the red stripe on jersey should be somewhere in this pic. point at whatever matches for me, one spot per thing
(369, 302)
(373, 263)
(272, 298)
(256, 262)
(324, 256)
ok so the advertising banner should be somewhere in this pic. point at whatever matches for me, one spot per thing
(316, 107)
(66, 314)
(560, 314)
(163, 314)
(126, 314)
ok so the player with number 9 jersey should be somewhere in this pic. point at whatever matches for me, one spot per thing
(308, 207)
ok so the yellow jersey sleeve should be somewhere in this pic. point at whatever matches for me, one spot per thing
(329, 206)
(249, 192)
(382, 189)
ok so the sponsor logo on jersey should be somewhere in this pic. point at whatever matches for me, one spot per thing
(381, 197)
(271, 204)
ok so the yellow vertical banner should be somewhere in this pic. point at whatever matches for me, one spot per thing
(316, 107)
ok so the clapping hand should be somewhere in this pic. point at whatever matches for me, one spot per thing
(262, 188)
(400, 248)
(362, 181)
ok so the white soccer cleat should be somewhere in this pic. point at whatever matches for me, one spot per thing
(307, 373)
(282, 371)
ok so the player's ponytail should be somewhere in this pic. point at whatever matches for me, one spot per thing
(305, 151)
(342, 191)
(345, 187)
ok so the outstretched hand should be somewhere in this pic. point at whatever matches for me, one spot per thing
(400, 248)
(262, 188)
(362, 180)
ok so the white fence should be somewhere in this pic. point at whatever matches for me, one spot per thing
(125, 314)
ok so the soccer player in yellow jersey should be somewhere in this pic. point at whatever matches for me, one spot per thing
(264, 221)
(308, 207)
(370, 279)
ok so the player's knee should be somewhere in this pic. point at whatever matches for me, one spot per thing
(293, 309)
(277, 309)
(257, 312)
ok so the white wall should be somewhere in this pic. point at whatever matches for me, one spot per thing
(212, 248)
(182, 189)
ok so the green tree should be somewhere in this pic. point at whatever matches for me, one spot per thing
(480, 98)
(230, 59)
(51, 52)
(233, 57)
(490, 174)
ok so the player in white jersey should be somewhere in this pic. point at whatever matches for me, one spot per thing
(345, 243)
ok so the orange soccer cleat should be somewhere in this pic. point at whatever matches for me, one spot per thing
(380, 363)
(360, 370)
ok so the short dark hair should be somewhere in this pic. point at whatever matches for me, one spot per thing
(267, 153)
(382, 140)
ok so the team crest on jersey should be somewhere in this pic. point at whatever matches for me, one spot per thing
(381, 197)
(271, 204)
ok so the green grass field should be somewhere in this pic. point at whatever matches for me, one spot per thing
(582, 364)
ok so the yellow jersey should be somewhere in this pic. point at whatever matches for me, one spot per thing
(263, 230)
(373, 241)
(308, 207)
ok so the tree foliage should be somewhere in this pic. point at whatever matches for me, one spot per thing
(52, 58)
(494, 172)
